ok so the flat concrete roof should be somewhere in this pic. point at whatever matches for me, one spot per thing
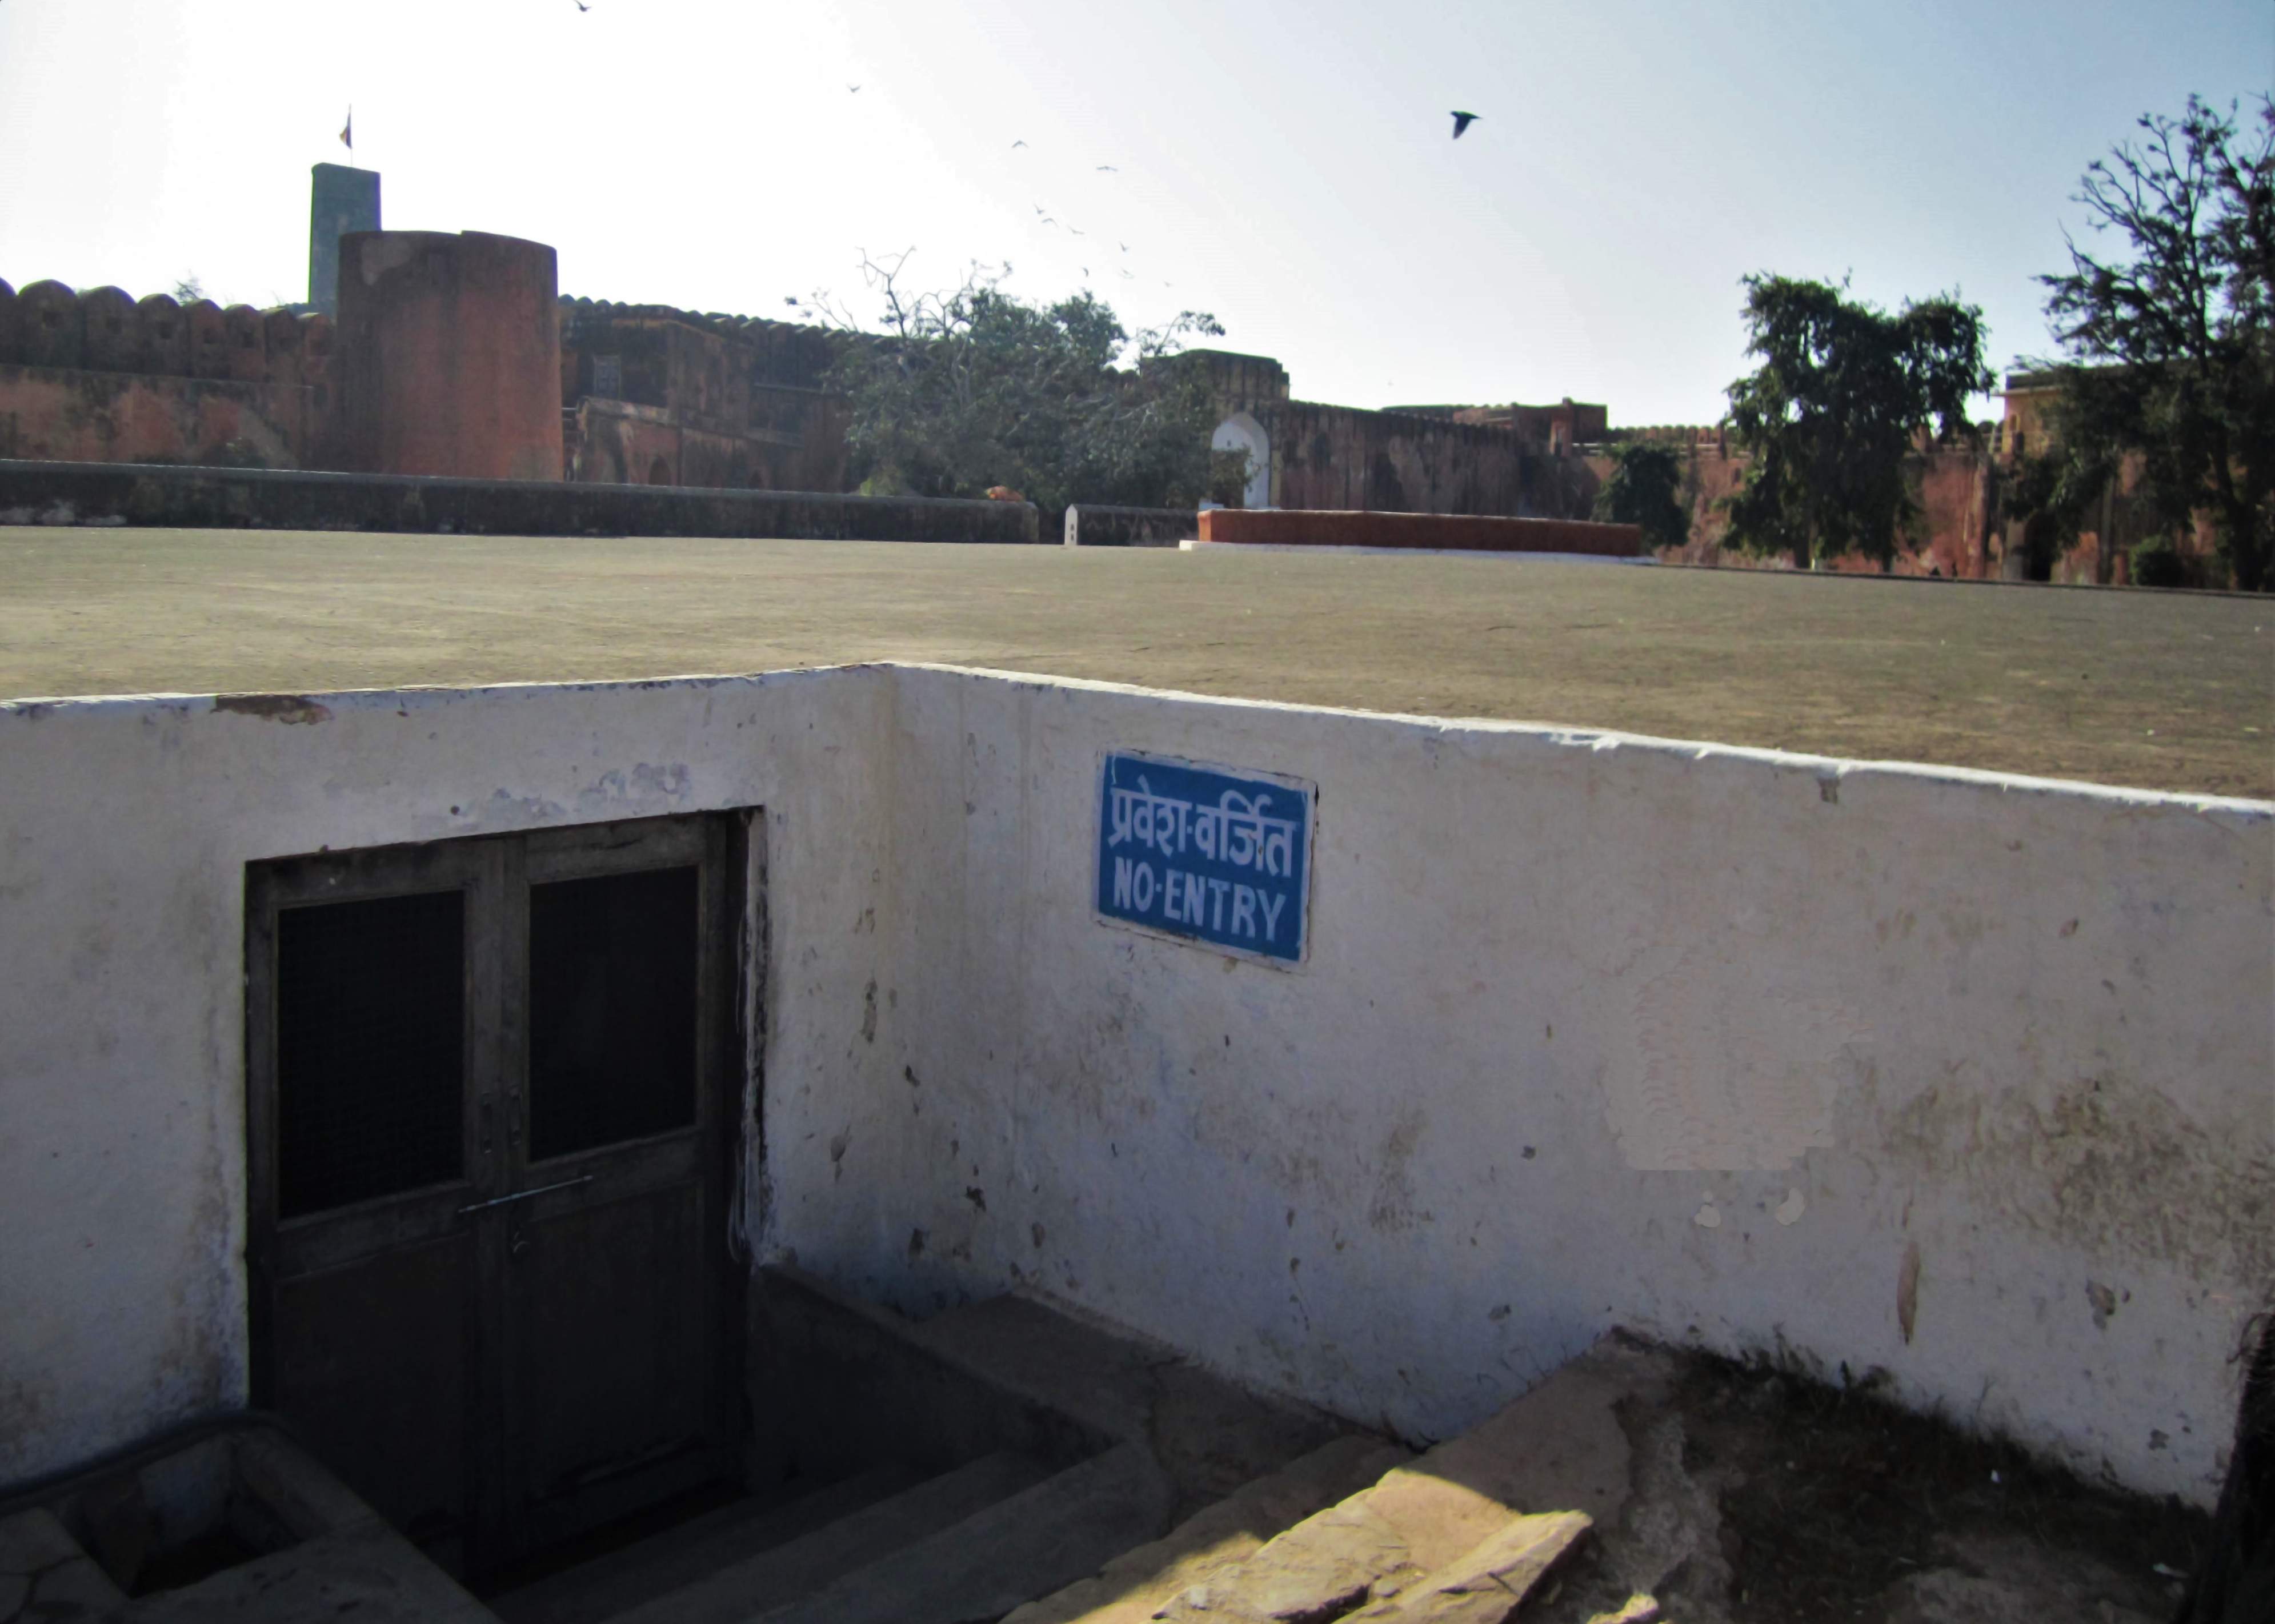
(2150, 690)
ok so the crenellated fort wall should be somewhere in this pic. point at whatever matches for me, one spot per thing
(101, 376)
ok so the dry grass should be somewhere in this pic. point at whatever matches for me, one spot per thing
(2170, 692)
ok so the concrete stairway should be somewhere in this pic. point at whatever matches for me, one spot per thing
(976, 1542)
(1060, 1455)
(971, 1543)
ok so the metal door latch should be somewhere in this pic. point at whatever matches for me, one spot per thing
(523, 1195)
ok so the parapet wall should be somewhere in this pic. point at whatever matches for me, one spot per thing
(48, 493)
(106, 329)
(1101, 525)
(1450, 531)
(1958, 1077)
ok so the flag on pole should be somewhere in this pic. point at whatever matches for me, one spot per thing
(347, 132)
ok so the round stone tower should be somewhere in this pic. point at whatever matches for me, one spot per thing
(448, 356)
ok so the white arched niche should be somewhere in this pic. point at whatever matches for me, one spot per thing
(1242, 433)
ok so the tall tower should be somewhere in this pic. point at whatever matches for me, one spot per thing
(448, 355)
(340, 199)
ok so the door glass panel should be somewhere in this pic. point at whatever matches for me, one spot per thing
(612, 966)
(370, 1048)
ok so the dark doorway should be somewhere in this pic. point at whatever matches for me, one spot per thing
(659, 473)
(492, 1094)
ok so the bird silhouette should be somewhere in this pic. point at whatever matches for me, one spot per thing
(582, 6)
(1017, 144)
(1107, 169)
(855, 89)
(1462, 121)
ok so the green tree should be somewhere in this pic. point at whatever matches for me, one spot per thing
(1644, 488)
(953, 393)
(1833, 412)
(2169, 354)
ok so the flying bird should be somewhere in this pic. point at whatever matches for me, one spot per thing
(1016, 144)
(1107, 169)
(855, 89)
(1462, 121)
(788, 301)
(582, 6)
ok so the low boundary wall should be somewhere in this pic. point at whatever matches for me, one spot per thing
(1953, 1076)
(1958, 1077)
(278, 499)
(1097, 524)
(1436, 531)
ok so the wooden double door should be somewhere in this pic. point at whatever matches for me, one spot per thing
(493, 1091)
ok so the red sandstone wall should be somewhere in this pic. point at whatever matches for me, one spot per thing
(723, 401)
(52, 414)
(449, 355)
(1342, 457)
(1955, 489)
(101, 377)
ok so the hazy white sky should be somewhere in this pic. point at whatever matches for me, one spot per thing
(1287, 166)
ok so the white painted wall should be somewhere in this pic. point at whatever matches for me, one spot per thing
(1594, 1031)
(124, 830)
(1242, 433)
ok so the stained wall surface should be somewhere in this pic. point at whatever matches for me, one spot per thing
(1962, 1077)
(127, 828)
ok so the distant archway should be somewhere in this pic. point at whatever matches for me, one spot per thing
(1242, 433)
(659, 473)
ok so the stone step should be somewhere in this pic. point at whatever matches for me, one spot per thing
(1028, 1545)
(1133, 1586)
(44, 1573)
(746, 1588)
(682, 1555)
(1210, 1434)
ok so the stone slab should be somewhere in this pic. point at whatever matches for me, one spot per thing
(1490, 1582)
(1133, 1586)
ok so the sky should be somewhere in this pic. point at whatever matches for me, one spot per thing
(1287, 167)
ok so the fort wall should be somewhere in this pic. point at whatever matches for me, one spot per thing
(709, 400)
(99, 376)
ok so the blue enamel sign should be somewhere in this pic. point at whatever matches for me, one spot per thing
(1219, 857)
